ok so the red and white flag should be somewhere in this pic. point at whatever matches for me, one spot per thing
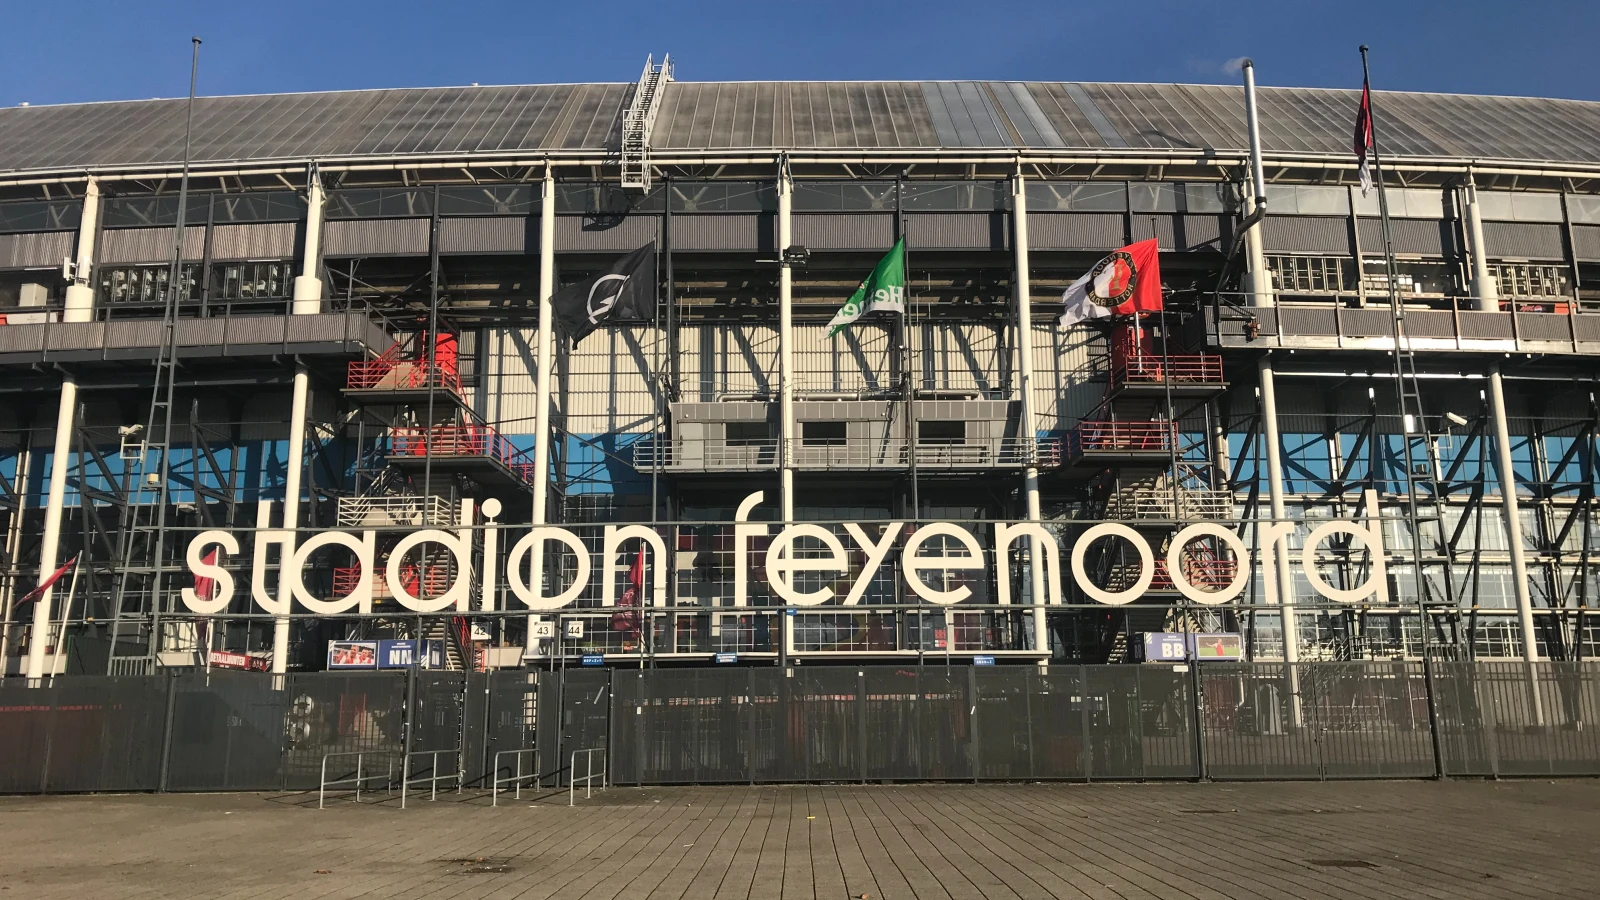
(1127, 281)
(46, 584)
(1363, 137)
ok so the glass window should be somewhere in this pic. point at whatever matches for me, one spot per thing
(853, 196)
(978, 196)
(723, 196)
(1105, 196)
(488, 200)
(1161, 198)
(1308, 199)
(1406, 203)
(40, 215)
(1519, 206)
(942, 432)
(747, 434)
(266, 206)
(1218, 197)
(822, 434)
(134, 212)
(1584, 208)
(380, 203)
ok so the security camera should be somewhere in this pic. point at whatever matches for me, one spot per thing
(1457, 419)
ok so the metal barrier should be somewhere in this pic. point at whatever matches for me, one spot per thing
(515, 780)
(433, 778)
(358, 779)
(589, 774)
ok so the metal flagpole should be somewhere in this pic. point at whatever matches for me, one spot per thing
(1408, 424)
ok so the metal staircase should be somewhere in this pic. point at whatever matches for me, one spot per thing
(638, 120)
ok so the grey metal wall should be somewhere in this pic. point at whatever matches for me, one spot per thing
(143, 245)
(27, 250)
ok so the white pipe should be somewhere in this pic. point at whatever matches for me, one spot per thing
(786, 373)
(79, 306)
(50, 545)
(1284, 582)
(1259, 280)
(1028, 430)
(307, 286)
(545, 365)
(291, 514)
(1508, 493)
(13, 539)
(1485, 293)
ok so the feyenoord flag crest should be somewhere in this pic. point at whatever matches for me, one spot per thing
(1363, 138)
(626, 292)
(1127, 281)
(884, 289)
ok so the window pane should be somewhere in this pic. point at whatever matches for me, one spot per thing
(822, 434)
(855, 196)
(488, 200)
(380, 203)
(1536, 207)
(40, 215)
(1153, 197)
(1584, 208)
(979, 196)
(1109, 196)
(1211, 198)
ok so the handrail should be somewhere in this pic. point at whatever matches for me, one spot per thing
(515, 780)
(433, 778)
(323, 784)
(589, 774)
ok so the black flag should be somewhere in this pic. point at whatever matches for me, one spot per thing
(626, 292)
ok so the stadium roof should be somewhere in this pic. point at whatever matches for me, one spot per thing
(721, 116)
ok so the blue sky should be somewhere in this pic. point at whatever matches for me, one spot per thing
(67, 51)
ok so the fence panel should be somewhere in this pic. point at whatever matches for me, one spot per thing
(1003, 722)
(893, 720)
(513, 713)
(1250, 725)
(1370, 719)
(1536, 720)
(440, 705)
(1058, 709)
(337, 712)
(945, 710)
(1138, 722)
(228, 732)
(1466, 727)
(85, 733)
(679, 726)
(581, 702)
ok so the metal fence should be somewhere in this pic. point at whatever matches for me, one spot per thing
(251, 731)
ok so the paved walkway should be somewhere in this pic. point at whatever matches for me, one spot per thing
(1351, 840)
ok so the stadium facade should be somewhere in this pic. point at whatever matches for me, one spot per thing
(353, 347)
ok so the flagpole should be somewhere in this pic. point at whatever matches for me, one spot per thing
(66, 614)
(1398, 315)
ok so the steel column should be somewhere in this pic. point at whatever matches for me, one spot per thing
(1282, 582)
(1485, 293)
(307, 286)
(1028, 431)
(51, 544)
(1508, 494)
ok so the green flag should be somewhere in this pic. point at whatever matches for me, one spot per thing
(885, 288)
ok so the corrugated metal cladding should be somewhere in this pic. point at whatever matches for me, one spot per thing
(856, 359)
(1425, 237)
(139, 245)
(736, 360)
(1179, 232)
(1524, 240)
(585, 233)
(264, 240)
(730, 232)
(958, 231)
(508, 383)
(799, 115)
(376, 237)
(45, 248)
(1586, 240)
(1064, 365)
(489, 234)
(606, 382)
(1075, 231)
(960, 356)
(850, 231)
(1306, 234)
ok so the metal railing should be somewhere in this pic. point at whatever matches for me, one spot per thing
(358, 779)
(419, 581)
(460, 440)
(1159, 503)
(433, 777)
(718, 454)
(515, 780)
(401, 374)
(1147, 369)
(589, 774)
(1120, 437)
(405, 509)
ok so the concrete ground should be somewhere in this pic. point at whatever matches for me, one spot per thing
(1271, 840)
